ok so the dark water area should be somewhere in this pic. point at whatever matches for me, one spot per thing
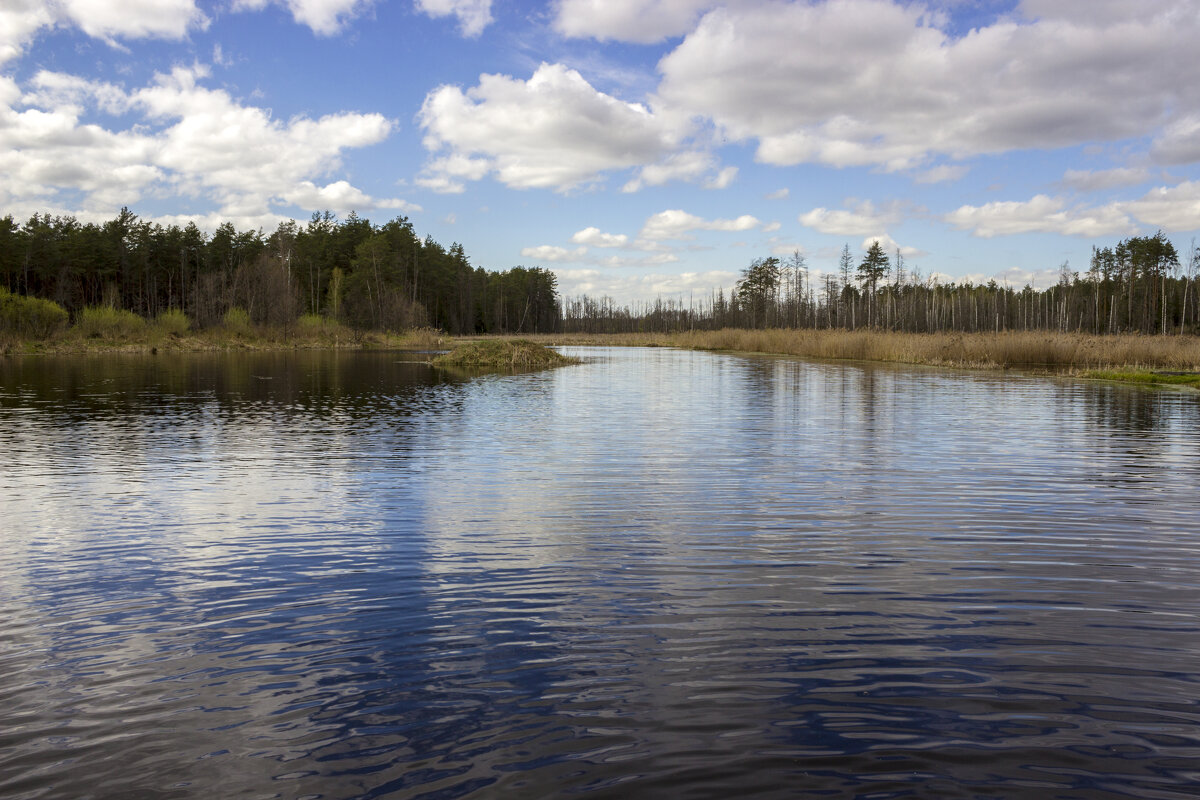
(656, 574)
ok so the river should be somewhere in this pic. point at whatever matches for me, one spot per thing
(656, 574)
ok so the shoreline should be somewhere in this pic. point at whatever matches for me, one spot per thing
(1147, 360)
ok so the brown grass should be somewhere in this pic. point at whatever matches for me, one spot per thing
(1057, 352)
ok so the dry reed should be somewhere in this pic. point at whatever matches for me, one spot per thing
(1046, 350)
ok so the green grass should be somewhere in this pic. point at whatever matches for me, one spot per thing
(503, 353)
(1148, 378)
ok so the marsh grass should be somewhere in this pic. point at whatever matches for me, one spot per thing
(1034, 350)
(503, 354)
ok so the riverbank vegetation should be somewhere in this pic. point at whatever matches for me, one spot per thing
(129, 284)
(1034, 351)
(503, 353)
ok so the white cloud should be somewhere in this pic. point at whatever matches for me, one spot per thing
(1173, 209)
(473, 15)
(864, 220)
(324, 17)
(185, 140)
(677, 224)
(878, 83)
(722, 179)
(688, 165)
(596, 238)
(1042, 214)
(779, 194)
(341, 197)
(890, 246)
(1089, 181)
(20, 20)
(553, 131)
(553, 253)
(771, 227)
(133, 19)
(643, 21)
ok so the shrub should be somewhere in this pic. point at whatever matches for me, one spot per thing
(30, 317)
(503, 353)
(314, 325)
(173, 322)
(105, 322)
(237, 320)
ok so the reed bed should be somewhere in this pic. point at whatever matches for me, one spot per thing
(504, 354)
(1046, 350)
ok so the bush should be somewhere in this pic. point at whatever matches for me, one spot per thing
(315, 325)
(173, 322)
(30, 317)
(237, 320)
(105, 322)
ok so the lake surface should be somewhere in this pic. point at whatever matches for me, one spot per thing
(658, 574)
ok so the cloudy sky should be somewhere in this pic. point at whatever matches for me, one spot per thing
(636, 147)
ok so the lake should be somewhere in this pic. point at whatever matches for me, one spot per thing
(658, 574)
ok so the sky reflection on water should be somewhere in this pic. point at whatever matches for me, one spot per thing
(658, 573)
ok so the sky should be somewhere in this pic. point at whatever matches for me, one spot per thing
(637, 148)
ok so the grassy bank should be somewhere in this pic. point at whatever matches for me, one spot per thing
(1041, 350)
(106, 330)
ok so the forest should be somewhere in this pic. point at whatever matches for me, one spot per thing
(386, 278)
(1139, 285)
(367, 276)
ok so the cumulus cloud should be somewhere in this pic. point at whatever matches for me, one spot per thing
(185, 139)
(20, 20)
(1042, 214)
(890, 246)
(552, 253)
(473, 15)
(324, 17)
(553, 131)
(596, 238)
(1089, 181)
(642, 21)
(1175, 208)
(863, 220)
(779, 194)
(677, 224)
(689, 166)
(880, 83)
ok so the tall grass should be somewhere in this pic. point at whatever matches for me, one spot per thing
(1032, 350)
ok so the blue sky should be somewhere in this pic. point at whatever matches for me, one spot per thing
(636, 147)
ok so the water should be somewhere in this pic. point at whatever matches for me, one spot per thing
(657, 574)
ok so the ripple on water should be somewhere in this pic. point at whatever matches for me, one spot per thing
(659, 573)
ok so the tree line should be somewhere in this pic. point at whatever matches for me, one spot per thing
(368, 276)
(1140, 285)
